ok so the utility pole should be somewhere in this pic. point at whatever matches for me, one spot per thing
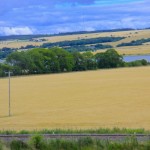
(9, 94)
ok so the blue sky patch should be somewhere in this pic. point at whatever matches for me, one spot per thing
(54, 16)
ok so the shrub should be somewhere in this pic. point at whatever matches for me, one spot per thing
(62, 145)
(85, 142)
(54, 144)
(115, 146)
(1, 146)
(37, 142)
(144, 62)
(135, 63)
(99, 145)
(18, 145)
(68, 145)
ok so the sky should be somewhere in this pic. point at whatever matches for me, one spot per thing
(21, 17)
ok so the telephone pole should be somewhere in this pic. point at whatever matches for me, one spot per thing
(9, 93)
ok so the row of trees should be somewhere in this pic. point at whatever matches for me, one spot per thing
(134, 42)
(5, 51)
(74, 48)
(85, 48)
(55, 60)
(82, 42)
(80, 45)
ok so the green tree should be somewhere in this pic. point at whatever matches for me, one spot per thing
(90, 60)
(65, 59)
(19, 61)
(80, 62)
(109, 59)
(36, 61)
(50, 61)
(4, 68)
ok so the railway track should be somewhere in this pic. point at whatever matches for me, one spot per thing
(111, 137)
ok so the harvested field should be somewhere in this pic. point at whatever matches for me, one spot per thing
(92, 99)
(131, 50)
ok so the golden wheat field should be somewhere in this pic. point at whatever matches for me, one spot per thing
(92, 99)
(130, 50)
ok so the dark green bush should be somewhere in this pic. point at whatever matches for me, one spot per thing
(1, 146)
(54, 145)
(37, 142)
(18, 145)
(134, 42)
(100, 145)
(114, 146)
(85, 142)
(62, 144)
(68, 145)
(135, 63)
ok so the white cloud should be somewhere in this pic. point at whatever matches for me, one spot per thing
(15, 30)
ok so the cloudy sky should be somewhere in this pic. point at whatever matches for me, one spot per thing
(54, 16)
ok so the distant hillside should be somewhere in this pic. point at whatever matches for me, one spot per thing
(129, 44)
(21, 37)
(29, 37)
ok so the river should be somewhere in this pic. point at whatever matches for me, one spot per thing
(136, 57)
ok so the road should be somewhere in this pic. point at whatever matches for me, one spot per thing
(111, 137)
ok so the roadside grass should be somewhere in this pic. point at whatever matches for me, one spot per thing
(37, 142)
(81, 131)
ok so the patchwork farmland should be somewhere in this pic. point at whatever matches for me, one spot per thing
(92, 99)
(127, 50)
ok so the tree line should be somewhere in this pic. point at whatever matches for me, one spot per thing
(134, 42)
(5, 51)
(80, 45)
(56, 60)
(81, 42)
